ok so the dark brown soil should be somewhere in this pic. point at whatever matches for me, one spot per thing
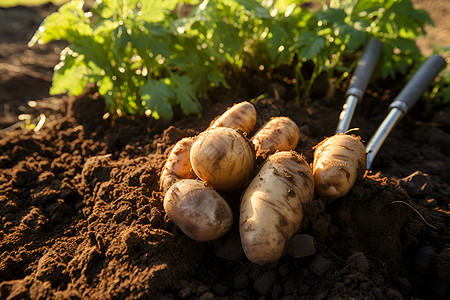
(81, 215)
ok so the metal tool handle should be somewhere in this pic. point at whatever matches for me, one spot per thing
(403, 103)
(359, 82)
(364, 69)
(417, 85)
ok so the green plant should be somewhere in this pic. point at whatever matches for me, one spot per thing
(146, 56)
(134, 52)
(440, 94)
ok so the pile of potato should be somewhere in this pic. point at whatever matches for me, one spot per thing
(223, 159)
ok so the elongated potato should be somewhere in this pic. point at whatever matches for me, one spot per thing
(223, 158)
(272, 206)
(278, 134)
(198, 210)
(338, 162)
(240, 116)
(178, 165)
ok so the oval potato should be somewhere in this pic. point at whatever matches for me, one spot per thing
(278, 134)
(198, 210)
(338, 162)
(178, 165)
(223, 158)
(272, 206)
(240, 116)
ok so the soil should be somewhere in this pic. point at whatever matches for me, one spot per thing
(81, 214)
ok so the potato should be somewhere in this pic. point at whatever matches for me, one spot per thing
(223, 158)
(178, 165)
(272, 206)
(338, 162)
(278, 134)
(198, 210)
(240, 116)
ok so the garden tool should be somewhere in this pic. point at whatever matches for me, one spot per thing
(359, 82)
(405, 100)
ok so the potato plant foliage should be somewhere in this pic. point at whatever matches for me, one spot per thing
(152, 56)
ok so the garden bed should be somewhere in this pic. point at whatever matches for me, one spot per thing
(81, 215)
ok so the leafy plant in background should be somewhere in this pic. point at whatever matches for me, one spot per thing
(134, 52)
(146, 56)
(440, 94)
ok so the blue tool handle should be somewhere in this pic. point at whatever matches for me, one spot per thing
(364, 69)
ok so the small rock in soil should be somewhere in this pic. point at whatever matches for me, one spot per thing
(220, 290)
(424, 260)
(264, 283)
(301, 245)
(229, 247)
(418, 184)
(283, 270)
(443, 265)
(46, 177)
(359, 262)
(240, 281)
(320, 227)
(59, 211)
(321, 265)
(50, 269)
(121, 214)
(393, 294)
(405, 285)
(277, 291)
(207, 296)
(131, 239)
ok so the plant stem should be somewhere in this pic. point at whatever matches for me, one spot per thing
(299, 79)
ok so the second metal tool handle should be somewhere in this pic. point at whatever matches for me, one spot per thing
(403, 103)
(417, 85)
(364, 69)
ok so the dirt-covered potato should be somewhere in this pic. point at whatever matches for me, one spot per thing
(198, 210)
(223, 158)
(338, 162)
(240, 116)
(272, 206)
(178, 165)
(278, 134)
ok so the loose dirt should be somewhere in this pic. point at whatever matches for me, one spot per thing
(81, 215)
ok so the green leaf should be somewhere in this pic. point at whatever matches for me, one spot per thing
(310, 45)
(275, 40)
(332, 15)
(255, 8)
(156, 10)
(186, 97)
(106, 89)
(156, 95)
(69, 76)
(69, 23)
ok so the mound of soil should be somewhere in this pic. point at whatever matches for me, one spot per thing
(81, 214)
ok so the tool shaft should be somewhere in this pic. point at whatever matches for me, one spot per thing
(381, 134)
(408, 96)
(359, 82)
(346, 114)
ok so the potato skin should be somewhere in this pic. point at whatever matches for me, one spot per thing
(223, 158)
(240, 116)
(198, 210)
(178, 165)
(338, 162)
(278, 134)
(272, 206)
